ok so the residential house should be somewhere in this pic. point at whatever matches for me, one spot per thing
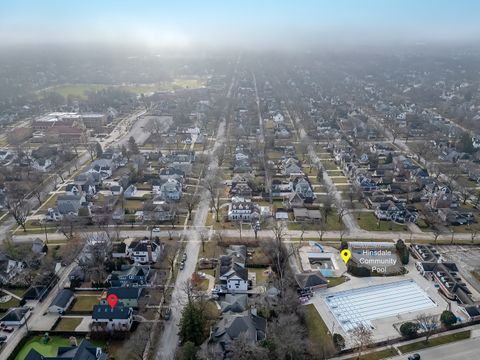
(127, 296)
(241, 189)
(130, 192)
(69, 204)
(443, 197)
(41, 165)
(242, 210)
(304, 214)
(16, 316)
(77, 274)
(171, 190)
(129, 275)
(9, 268)
(61, 302)
(144, 251)
(85, 351)
(235, 303)
(108, 319)
(233, 273)
(302, 187)
(397, 212)
(248, 324)
(293, 200)
(159, 211)
(168, 173)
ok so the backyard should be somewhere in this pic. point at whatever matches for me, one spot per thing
(84, 303)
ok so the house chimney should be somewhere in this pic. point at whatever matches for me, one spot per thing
(149, 251)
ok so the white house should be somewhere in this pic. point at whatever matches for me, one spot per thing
(278, 118)
(243, 211)
(237, 279)
(108, 319)
(144, 251)
(9, 268)
(171, 190)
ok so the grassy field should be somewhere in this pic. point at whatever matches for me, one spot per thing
(261, 273)
(368, 221)
(13, 302)
(441, 340)
(80, 90)
(68, 324)
(85, 303)
(377, 355)
(318, 333)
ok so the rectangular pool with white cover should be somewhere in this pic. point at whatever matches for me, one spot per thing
(360, 306)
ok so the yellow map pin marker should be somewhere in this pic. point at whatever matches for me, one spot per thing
(345, 254)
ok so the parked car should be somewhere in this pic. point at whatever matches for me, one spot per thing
(182, 265)
(3, 338)
(8, 329)
(156, 230)
(184, 256)
(415, 356)
(167, 314)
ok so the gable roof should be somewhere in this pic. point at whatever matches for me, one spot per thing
(118, 312)
(62, 298)
(124, 292)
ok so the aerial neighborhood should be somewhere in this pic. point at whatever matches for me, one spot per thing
(254, 204)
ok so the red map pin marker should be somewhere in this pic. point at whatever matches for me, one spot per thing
(112, 300)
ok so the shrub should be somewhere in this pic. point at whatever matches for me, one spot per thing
(338, 341)
(409, 329)
(448, 318)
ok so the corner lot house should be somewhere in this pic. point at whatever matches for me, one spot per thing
(15, 316)
(85, 351)
(61, 302)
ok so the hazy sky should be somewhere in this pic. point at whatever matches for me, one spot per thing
(273, 23)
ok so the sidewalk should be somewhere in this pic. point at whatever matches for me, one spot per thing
(475, 333)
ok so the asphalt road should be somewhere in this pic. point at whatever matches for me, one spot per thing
(461, 350)
(36, 314)
(169, 337)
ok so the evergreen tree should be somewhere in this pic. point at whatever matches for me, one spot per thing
(192, 324)
(448, 318)
(132, 146)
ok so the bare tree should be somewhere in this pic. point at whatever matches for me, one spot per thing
(362, 338)
(278, 253)
(427, 324)
(243, 349)
(190, 201)
(203, 238)
(464, 194)
(19, 209)
(473, 234)
(289, 344)
(213, 185)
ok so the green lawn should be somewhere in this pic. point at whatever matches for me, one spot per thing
(261, 274)
(49, 349)
(334, 281)
(318, 333)
(441, 340)
(68, 324)
(84, 303)
(13, 302)
(332, 222)
(377, 355)
(368, 221)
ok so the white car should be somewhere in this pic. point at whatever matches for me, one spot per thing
(156, 230)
